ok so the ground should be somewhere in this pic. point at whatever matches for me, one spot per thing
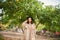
(19, 36)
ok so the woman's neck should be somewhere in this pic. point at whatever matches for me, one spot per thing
(29, 23)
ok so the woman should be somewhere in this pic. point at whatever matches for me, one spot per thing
(29, 29)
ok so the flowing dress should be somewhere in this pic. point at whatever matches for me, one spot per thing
(29, 31)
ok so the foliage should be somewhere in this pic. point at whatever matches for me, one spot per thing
(16, 11)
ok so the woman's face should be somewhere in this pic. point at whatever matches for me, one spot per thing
(30, 20)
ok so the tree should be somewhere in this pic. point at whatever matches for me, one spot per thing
(16, 11)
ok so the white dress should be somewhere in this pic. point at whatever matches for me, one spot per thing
(29, 31)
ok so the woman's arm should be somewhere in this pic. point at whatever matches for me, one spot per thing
(23, 25)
